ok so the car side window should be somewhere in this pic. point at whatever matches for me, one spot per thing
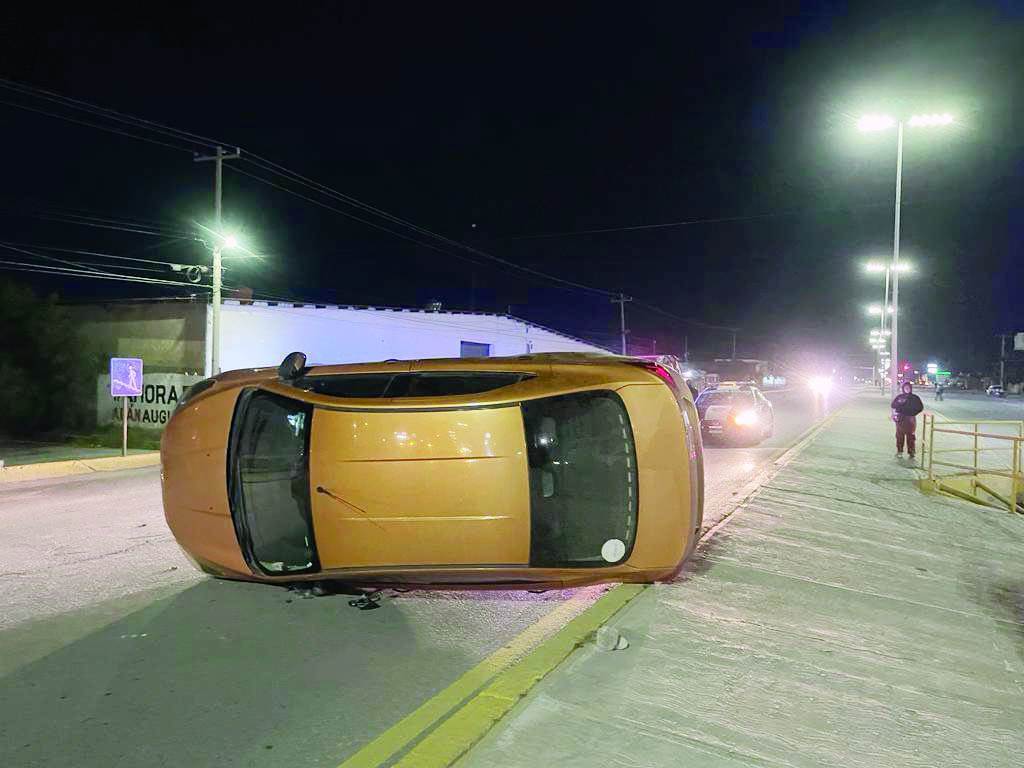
(444, 384)
(356, 384)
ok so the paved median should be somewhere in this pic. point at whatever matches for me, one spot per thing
(840, 618)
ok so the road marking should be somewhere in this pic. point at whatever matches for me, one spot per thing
(457, 735)
(411, 727)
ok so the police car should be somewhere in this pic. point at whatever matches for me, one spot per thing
(736, 412)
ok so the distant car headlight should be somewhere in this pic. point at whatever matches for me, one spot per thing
(820, 385)
(746, 418)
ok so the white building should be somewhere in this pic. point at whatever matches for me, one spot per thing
(262, 333)
(173, 339)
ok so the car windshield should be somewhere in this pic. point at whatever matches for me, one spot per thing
(583, 482)
(725, 398)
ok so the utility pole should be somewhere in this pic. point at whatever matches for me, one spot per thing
(686, 349)
(1002, 359)
(734, 344)
(218, 163)
(621, 301)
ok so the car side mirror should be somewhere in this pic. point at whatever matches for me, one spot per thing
(291, 367)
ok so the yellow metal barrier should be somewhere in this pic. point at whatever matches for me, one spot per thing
(994, 474)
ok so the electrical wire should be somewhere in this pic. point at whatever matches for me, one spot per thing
(341, 197)
(349, 215)
(17, 266)
(294, 177)
(82, 252)
(111, 114)
(47, 258)
(92, 125)
(692, 222)
(688, 320)
(129, 224)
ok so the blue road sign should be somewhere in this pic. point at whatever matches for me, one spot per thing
(125, 376)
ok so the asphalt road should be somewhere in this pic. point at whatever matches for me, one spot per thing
(729, 469)
(115, 652)
(974, 405)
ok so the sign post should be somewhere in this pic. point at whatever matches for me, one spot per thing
(125, 382)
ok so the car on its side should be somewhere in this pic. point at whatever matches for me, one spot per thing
(544, 470)
(735, 412)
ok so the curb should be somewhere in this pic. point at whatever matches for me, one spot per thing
(52, 469)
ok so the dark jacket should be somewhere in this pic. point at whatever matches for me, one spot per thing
(907, 406)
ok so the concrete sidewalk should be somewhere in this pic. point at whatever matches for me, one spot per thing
(839, 618)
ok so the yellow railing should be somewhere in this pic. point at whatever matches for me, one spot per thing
(994, 474)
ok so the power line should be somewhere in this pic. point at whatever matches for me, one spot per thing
(115, 226)
(689, 320)
(347, 199)
(296, 178)
(111, 114)
(82, 252)
(18, 266)
(92, 125)
(270, 183)
(135, 224)
(692, 222)
(47, 258)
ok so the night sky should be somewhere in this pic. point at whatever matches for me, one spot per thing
(518, 129)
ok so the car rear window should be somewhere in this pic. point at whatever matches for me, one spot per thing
(426, 384)
(583, 480)
(270, 488)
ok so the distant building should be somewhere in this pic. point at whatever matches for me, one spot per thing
(171, 336)
(761, 372)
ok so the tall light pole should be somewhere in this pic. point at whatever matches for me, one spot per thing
(881, 123)
(220, 242)
(878, 266)
(895, 368)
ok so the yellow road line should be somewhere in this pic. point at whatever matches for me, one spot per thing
(457, 735)
(411, 727)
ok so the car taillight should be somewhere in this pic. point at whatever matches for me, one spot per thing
(661, 372)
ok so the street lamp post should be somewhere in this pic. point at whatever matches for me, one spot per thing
(218, 159)
(875, 266)
(879, 123)
(896, 264)
(881, 331)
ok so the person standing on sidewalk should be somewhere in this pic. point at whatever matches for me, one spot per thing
(905, 408)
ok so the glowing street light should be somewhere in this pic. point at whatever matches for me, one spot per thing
(878, 266)
(880, 122)
(875, 123)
